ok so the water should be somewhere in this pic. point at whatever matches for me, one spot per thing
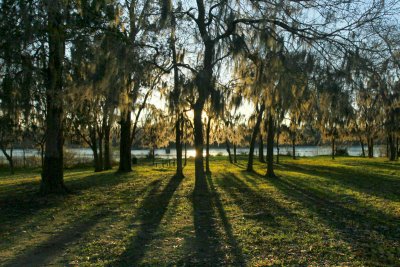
(85, 154)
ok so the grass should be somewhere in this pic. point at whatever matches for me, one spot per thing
(319, 212)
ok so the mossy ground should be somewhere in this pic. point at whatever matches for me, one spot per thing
(318, 212)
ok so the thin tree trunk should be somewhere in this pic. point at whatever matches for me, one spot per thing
(277, 146)
(125, 158)
(208, 129)
(228, 148)
(294, 148)
(52, 174)
(234, 153)
(101, 161)
(254, 135)
(261, 148)
(94, 146)
(178, 146)
(107, 152)
(362, 147)
(9, 158)
(392, 147)
(333, 147)
(370, 147)
(270, 147)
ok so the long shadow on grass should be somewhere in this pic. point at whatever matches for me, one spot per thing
(384, 186)
(369, 231)
(150, 214)
(47, 251)
(255, 206)
(238, 259)
(16, 207)
(207, 241)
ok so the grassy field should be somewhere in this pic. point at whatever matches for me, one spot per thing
(318, 212)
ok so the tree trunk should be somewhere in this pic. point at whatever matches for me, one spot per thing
(294, 148)
(107, 152)
(94, 146)
(277, 146)
(9, 158)
(198, 144)
(270, 147)
(185, 155)
(362, 147)
(392, 147)
(208, 129)
(228, 148)
(370, 147)
(42, 154)
(261, 148)
(52, 174)
(234, 153)
(178, 147)
(101, 161)
(125, 158)
(333, 147)
(254, 135)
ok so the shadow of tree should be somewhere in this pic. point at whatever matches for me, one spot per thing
(18, 208)
(373, 234)
(49, 250)
(380, 185)
(151, 212)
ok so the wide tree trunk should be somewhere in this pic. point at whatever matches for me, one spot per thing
(198, 144)
(125, 158)
(52, 175)
(362, 147)
(333, 147)
(107, 152)
(261, 148)
(178, 147)
(270, 147)
(208, 129)
(228, 149)
(254, 135)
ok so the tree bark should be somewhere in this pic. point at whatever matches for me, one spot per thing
(178, 146)
(94, 147)
(101, 161)
(362, 147)
(261, 148)
(228, 148)
(294, 148)
(333, 147)
(125, 158)
(254, 135)
(208, 129)
(234, 153)
(198, 144)
(9, 158)
(392, 147)
(52, 174)
(107, 152)
(270, 147)
(277, 146)
(370, 147)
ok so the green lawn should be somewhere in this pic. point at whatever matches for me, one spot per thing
(319, 212)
